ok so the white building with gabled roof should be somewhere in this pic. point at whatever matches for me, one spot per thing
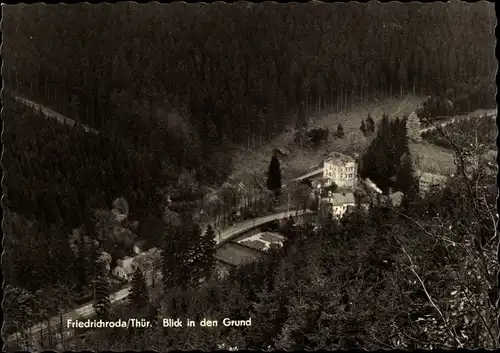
(341, 169)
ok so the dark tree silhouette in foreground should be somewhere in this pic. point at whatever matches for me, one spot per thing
(274, 176)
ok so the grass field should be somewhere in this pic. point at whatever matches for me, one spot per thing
(247, 162)
(432, 158)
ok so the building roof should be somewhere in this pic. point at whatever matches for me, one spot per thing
(236, 254)
(339, 158)
(262, 241)
(365, 200)
(126, 263)
(432, 179)
(396, 198)
(141, 245)
(339, 199)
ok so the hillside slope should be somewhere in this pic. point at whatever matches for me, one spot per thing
(247, 162)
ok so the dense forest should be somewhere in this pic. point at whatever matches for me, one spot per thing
(56, 176)
(172, 89)
(237, 71)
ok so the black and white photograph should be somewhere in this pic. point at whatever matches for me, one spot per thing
(229, 176)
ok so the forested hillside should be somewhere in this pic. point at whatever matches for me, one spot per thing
(55, 178)
(56, 172)
(174, 90)
(228, 69)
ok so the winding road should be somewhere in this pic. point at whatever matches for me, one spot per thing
(492, 113)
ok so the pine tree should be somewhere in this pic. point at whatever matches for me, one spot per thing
(384, 124)
(139, 295)
(381, 160)
(363, 128)
(340, 131)
(274, 176)
(370, 124)
(301, 122)
(413, 127)
(406, 180)
(301, 127)
(208, 251)
(169, 263)
(101, 290)
(180, 255)
(194, 266)
(288, 227)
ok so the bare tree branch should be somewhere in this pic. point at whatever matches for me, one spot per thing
(431, 301)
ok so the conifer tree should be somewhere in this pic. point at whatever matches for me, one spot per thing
(180, 255)
(413, 127)
(381, 161)
(101, 290)
(169, 263)
(193, 264)
(274, 176)
(301, 125)
(406, 180)
(363, 128)
(208, 250)
(139, 295)
(370, 124)
(340, 131)
(288, 227)
(301, 122)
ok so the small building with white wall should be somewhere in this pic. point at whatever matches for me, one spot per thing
(125, 268)
(426, 181)
(336, 204)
